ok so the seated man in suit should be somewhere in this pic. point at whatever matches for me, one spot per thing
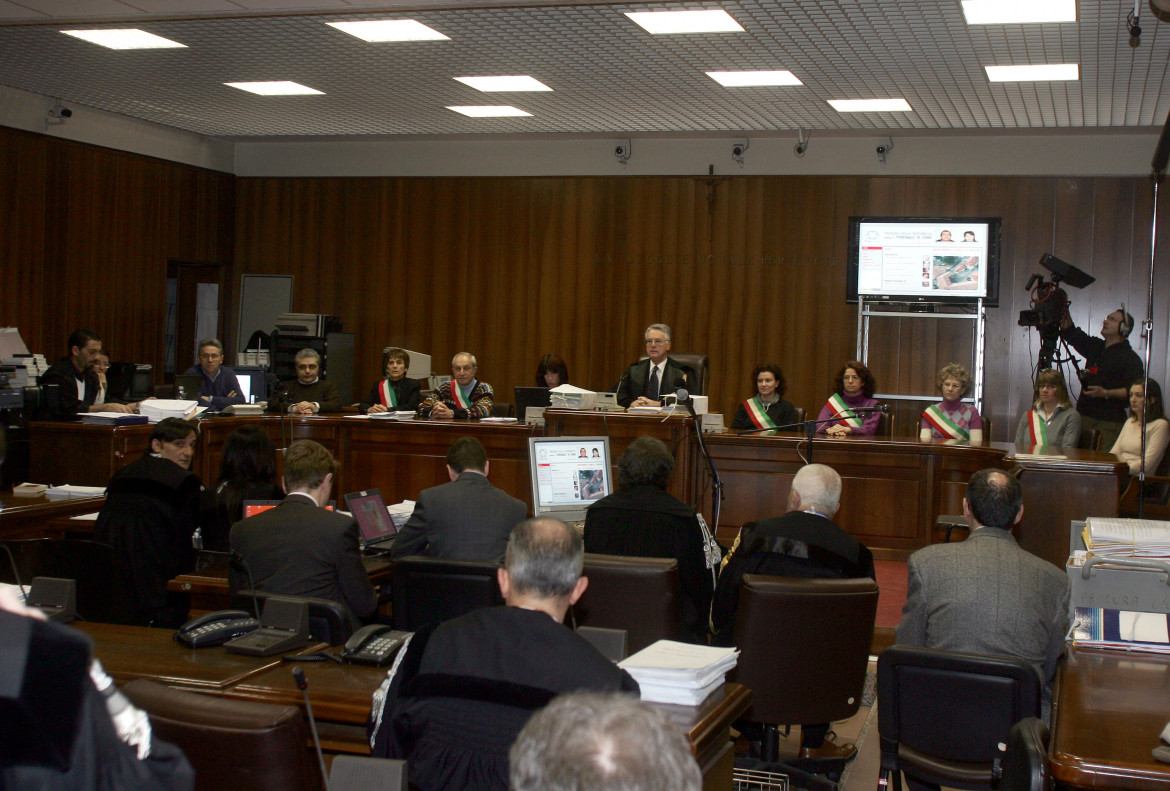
(986, 595)
(76, 382)
(603, 742)
(454, 701)
(645, 380)
(805, 542)
(466, 519)
(220, 388)
(463, 397)
(300, 549)
(309, 394)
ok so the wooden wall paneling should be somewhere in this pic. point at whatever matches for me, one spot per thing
(25, 203)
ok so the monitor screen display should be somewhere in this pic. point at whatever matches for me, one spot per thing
(369, 511)
(568, 473)
(924, 259)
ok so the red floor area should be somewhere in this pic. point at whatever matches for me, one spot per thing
(891, 580)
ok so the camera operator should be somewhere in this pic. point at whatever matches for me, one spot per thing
(1110, 365)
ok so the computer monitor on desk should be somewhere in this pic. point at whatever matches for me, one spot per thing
(568, 474)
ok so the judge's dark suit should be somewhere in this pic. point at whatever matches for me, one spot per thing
(985, 595)
(634, 380)
(299, 549)
(466, 519)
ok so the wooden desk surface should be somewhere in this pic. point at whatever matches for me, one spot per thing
(1109, 709)
(130, 652)
(27, 517)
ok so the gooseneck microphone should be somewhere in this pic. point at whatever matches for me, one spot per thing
(303, 686)
(237, 558)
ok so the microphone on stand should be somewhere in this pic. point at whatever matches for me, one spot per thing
(303, 686)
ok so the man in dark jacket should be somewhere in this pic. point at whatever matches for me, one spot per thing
(74, 384)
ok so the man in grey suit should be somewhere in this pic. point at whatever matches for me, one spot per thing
(466, 519)
(986, 595)
(300, 549)
(643, 382)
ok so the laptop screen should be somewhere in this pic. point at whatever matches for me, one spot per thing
(568, 474)
(369, 511)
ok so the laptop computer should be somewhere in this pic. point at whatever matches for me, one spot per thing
(369, 511)
(530, 396)
(190, 384)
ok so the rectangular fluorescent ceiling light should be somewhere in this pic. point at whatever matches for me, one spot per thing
(666, 22)
(870, 105)
(1018, 12)
(748, 79)
(516, 83)
(489, 111)
(379, 30)
(275, 88)
(1042, 72)
(131, 38)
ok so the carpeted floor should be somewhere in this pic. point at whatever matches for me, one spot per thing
(891, 580)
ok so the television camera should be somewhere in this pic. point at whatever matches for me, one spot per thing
(1049, 305)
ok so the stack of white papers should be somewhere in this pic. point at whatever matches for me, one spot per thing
(158, 408)
(670, 672)
(1141, 538)
(68, 492)
(400, 512)
(399, 415)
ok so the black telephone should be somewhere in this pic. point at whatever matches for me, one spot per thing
(216, 628)
(375, 644)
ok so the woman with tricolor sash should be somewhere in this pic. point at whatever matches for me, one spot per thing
(1052, 419)
(766, 409)
(951, 418)
(395, 393)
(855, 386)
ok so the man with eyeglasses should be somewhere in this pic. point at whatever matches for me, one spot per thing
(645, 381)
(220, 388)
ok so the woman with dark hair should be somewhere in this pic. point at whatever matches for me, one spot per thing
(394, 393)
(767, 408)
(153, 507)
(247, 471)
(951, 418)
(855, 386)
(1128, 447)
(1052, 419)
(640, 519)
(552, 371)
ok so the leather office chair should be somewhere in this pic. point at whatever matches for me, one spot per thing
(638, 595)
(329, 621)
(430, 590)
(233, 745)
(1023, 764)
(104, 591)
(804, 648)
(1090, 439)
(800, 414)
(503, 409)
(942, 714)
(885, 426)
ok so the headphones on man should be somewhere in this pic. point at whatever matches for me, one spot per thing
(1125, 326)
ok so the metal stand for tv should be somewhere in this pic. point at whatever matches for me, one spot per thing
(866, 311)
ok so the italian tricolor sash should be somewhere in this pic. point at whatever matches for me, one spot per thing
(387, 394)
(758, 413)
(461, 401)
(1037, 428)
(943, 424)
(842, 412)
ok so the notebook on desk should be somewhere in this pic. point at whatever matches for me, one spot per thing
(369, 511)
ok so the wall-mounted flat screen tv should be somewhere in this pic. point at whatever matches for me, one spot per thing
(924, 259)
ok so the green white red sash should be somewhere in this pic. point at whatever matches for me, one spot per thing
(387, 394)
(461, 401)
(1037, 427)
(936, 417)
(842, 411)
(758, 413)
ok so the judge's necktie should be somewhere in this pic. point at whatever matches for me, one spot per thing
(652, 385)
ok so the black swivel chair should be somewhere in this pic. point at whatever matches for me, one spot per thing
(429, 590)
(942, 714)
(1024, 762)
(329, 621)
(615, 582)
